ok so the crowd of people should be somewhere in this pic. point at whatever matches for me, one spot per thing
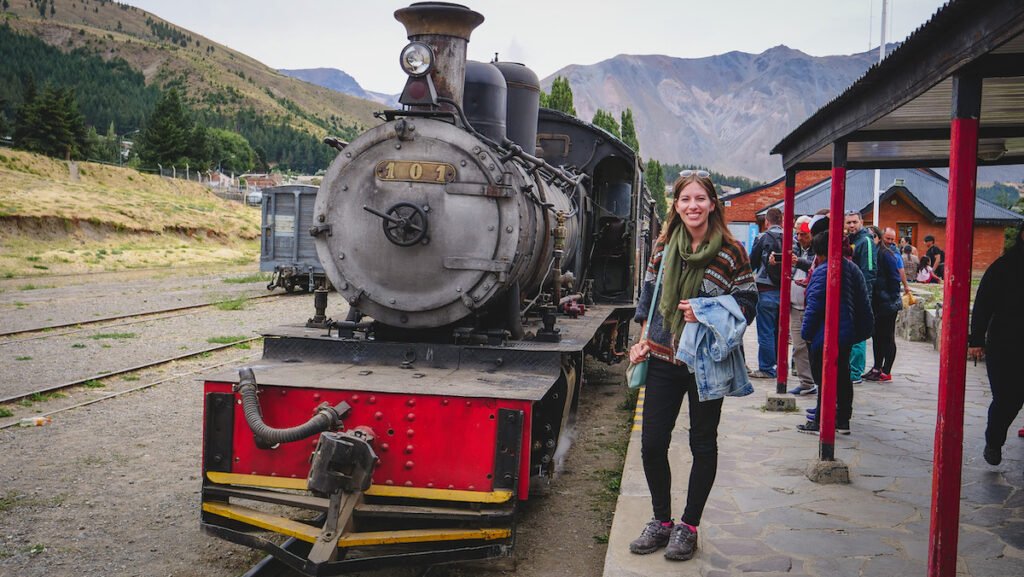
(708, 290)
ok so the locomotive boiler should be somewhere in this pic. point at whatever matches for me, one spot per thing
(483, 248)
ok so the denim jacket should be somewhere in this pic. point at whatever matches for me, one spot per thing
(712, 348)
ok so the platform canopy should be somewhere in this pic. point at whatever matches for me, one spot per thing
(898, 113)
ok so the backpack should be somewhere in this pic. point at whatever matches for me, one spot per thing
(772, 243)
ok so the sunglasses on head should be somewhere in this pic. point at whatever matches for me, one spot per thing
(697, 173)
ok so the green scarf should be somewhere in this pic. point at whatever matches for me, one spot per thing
(683, 283)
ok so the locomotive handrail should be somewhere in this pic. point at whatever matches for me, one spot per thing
(516, 152)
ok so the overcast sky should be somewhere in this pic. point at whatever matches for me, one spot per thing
(362, 37)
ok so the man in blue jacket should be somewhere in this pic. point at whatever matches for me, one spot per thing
(856, 322)
(865, 255)
(766, 262)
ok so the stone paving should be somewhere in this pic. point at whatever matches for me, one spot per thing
(765, 518)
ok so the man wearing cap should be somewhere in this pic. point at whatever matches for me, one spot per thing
(935, 255)
(803, 260)
(856, 322)
(997, 334)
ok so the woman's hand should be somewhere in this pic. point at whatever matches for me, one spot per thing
(688, 315)
(639, 352)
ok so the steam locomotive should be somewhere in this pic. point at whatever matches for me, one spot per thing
(484, 246)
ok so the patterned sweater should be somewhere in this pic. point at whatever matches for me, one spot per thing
(728, 273)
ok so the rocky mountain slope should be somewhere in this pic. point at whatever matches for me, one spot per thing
(212, 76)
(725, 111)
(342, 82)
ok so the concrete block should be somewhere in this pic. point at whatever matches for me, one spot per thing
(829, 472)
(911, 323)
(780, 403)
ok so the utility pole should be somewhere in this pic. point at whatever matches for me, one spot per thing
(878, 173)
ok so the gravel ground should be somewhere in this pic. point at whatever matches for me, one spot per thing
(33, 302)
(112, 489)
(39, 363)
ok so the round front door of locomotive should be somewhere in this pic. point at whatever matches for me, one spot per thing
(421, 232)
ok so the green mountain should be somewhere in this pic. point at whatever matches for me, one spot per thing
(119, 58)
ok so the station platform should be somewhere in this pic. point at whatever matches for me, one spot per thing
(764, 516)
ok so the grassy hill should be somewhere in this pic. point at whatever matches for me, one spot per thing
(56, 220)
(214, 78)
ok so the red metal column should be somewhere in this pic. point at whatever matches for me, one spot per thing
(949, 426)
(782, 364)
(830, 356)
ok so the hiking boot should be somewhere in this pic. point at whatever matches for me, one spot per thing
(759, 374)
(682, 544)
(993, 455)
(871, 375)
(884, 378)
(810, 427)
(653, 537)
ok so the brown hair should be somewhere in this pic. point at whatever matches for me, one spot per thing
(716, 219)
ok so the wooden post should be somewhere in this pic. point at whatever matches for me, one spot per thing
(782, 363)
(949, 426)
(830, 356)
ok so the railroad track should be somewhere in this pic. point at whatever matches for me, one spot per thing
(190, 354)
(85, 325)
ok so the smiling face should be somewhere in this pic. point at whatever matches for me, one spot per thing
(694, 206)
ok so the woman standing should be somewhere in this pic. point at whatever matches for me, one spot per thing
(886, 303)
(701, 260)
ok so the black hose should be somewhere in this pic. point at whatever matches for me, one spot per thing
(326, 418)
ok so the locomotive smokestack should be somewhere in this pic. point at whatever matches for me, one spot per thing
(445, 28)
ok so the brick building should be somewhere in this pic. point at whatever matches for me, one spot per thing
(914, 202)
(742, 207)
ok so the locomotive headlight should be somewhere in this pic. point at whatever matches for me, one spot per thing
(417, 59)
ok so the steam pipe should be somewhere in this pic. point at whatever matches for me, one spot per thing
(326, 418)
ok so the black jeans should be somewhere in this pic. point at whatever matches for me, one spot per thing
(844, 388)
(663, 397)
(883, 342)
(1007, 393)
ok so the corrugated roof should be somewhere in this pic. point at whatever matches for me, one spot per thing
(927, 188)
(898, 112)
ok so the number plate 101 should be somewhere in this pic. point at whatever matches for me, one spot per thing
(415, 171)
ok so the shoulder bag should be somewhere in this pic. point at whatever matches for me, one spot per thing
(636, 374)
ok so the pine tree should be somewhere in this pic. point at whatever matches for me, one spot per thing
(654, 176)
(629, 131)
(50, 123)
(606, 121)
(560, 97)
(165, 140)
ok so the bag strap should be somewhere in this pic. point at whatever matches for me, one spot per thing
(654, 297)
